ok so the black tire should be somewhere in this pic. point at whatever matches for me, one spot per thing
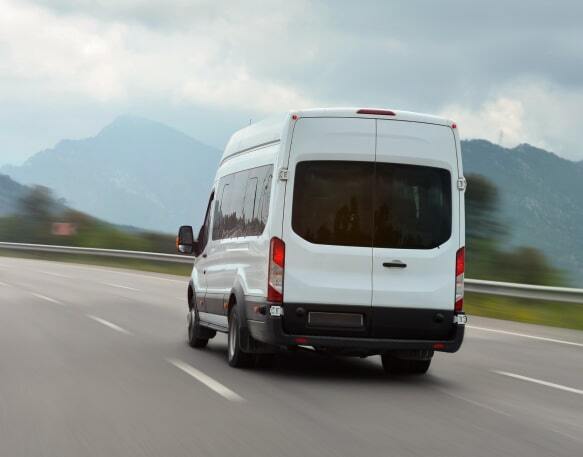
(419, 366)
(395, 365)
(235, 355)
(195, 332)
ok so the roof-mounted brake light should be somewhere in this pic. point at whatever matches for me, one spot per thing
(378, 112)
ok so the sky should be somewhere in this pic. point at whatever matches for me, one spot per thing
(507, 71)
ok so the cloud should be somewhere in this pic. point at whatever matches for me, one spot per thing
(542, 114)
(75, 54)
(171, 57)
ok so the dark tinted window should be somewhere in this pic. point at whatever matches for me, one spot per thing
(332, 202)
(368, 204)
(203, 234)
(242, 203)
(412, 206)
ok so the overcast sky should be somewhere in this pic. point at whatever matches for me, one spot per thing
(67, 68)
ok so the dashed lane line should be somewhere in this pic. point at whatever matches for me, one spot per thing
(525, 335)
(205, 379)
(540, 382)
(109, 324)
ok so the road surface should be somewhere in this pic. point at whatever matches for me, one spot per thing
(94, 362)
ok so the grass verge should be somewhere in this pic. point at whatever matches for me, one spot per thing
(171, 268)
(566, 315)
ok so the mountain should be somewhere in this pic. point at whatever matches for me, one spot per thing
(541, 199)
(145, 174)
(135, 172)
(10, 193)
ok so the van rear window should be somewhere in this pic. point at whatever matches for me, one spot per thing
(372, 204)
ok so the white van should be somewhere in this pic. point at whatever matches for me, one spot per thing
(341, 230)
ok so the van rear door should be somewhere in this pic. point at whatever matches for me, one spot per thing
(327, 226)
(416, 230)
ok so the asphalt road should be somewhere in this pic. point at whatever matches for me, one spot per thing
(94, 362)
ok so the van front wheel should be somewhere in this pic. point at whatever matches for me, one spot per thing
(196, 338)
(235, 355)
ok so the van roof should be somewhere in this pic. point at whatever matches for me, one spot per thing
(270, 130)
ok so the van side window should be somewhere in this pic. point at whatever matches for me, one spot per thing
(203, 234)
(221, 206)
(243, 203)
(249, 204)
(262, 210)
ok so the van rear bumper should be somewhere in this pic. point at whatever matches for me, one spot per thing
(271, 331)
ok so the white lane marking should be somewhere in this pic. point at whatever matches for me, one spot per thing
(52, 273)
(49, 299)
(206, 380)
(111, 325)
(525, 335)
(119, 286)
(121, 272)
(540, 381)
(3, 283)
(475, 403)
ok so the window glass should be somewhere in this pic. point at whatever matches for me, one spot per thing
(222, 204)
(412, 206)
(232, 226)
(366, 204)
(332, 202)
(242, 203)
(203, 234)
(249, 203)
(262, 207)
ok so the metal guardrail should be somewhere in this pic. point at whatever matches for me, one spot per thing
(139, 255)
(478, 286)
(512, 289)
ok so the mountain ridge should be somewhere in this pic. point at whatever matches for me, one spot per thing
(145, 174)
(131, 172)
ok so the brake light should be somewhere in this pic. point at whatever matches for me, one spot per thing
(275, 270)
(460, 267)
(380, 112)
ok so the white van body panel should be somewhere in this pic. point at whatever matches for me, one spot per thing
(317, 273)
(322, 274)
(241, 259)
(428, 281)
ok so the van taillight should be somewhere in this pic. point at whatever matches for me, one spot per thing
(275, 270)
(460, 267)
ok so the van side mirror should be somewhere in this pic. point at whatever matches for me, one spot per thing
(185, 242)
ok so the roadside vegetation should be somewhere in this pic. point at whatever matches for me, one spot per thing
(40, 218)
(488, 255)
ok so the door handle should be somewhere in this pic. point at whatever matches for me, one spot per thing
(394, 264)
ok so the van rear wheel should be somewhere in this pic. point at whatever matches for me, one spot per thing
(235, 355)
(395, 365)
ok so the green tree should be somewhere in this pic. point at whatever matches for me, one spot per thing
(488, 255)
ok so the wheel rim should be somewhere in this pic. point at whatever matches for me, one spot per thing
(232, 338)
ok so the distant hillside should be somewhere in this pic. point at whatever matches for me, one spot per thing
(10, 193)
(541, 198)
(135, 172)
(144, 174)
